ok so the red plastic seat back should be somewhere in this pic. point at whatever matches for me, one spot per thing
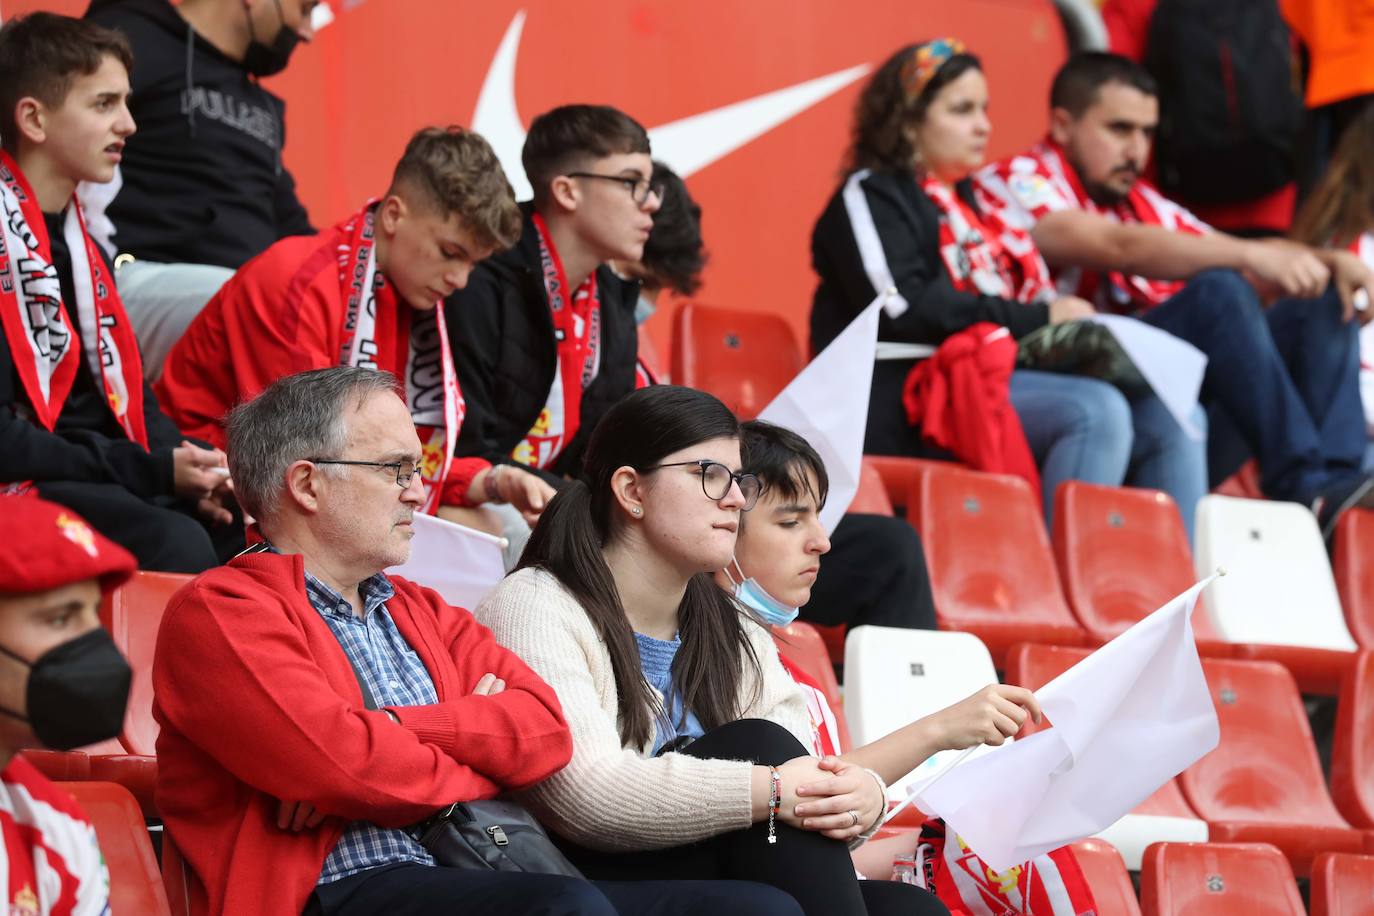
(132, 614)
(871, 498)
(1352, 750)
(135, 883)
(991, 568)
(1265, 768)
(1122, 552)
(802, 644)
(899, 475)
(1215, 879)
(1032, 666)
(648, 355)
(1342, 885)
(1353, 564)
(1107, 877)
(743, 358)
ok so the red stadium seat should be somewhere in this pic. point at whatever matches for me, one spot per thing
(871, 497)
(1342, 885)
(743, 358)
(899, 475)
(135, 885)
(802, 644)
(1122, 553)
(648, 355)
(991, 569)
(132, 614)
(1353, 563)
(1352, 750)
(1263, 782)
(59, 766)
(1211, 879)
(1107, 877)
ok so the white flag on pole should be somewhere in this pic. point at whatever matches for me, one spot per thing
(457, 562)
(827, 405)
(1127, 719)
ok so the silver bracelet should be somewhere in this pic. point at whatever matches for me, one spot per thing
(877, 824)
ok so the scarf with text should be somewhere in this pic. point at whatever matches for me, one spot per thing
(577, 333)
(380, 332)
(36, 322)
(985, 256)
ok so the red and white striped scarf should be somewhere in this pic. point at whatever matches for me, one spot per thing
(984, 255)
(577, 333)
(36, 322)
(382, 333)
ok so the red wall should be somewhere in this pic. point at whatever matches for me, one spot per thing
(386, 67)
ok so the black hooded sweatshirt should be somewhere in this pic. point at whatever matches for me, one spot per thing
(203, 178)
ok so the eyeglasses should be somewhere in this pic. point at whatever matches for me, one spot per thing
(640, 188)
(404, 472)
(716, 479)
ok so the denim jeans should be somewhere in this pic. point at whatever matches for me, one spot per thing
(162, 300)
(1282, 385)
(1085, 429)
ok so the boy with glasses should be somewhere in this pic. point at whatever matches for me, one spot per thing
(544, 335)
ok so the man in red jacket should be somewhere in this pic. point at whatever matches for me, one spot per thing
(364, 293)
(312, 707)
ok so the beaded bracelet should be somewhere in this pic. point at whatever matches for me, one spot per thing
(774, 801)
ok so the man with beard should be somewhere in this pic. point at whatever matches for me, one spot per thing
(1281, 382)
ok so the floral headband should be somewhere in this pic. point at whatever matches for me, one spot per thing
(925, 61)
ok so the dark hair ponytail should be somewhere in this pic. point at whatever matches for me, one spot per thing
(638, 432)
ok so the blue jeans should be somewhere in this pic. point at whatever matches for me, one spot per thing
(1084, 429)
(1282, 385)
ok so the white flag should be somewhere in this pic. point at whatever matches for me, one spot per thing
(1127, 719)
(457, 562)
(1172, 366)
(827, 405)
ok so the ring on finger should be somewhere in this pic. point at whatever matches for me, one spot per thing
(855, 815)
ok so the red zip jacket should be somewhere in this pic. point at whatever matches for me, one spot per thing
(258, 703)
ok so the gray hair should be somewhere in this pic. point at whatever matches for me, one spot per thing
(298, 416)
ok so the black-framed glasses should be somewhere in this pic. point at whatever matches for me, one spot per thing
(404, 471)
(716, 479)
(640, 188)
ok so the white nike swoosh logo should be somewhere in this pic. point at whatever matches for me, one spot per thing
(686, 145)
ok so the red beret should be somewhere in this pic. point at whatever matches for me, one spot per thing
(45, 546)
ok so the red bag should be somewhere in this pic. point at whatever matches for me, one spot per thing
(1048, 885)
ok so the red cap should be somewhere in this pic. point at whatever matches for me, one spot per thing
(45, 546)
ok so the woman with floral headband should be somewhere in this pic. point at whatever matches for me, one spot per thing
(905, 225)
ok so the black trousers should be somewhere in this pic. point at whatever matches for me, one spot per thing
(425, 890)
(817, 872)
(874, 574)
(159, 534)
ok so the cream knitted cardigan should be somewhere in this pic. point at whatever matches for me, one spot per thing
(611, 797)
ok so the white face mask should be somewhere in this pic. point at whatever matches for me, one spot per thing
(755, 597)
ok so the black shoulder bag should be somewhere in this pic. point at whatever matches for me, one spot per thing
(490, 835)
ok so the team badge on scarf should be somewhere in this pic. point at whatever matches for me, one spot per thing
(983, 254)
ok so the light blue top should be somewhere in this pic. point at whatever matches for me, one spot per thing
(656, 661)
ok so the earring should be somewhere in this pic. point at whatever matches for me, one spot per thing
(636, 511)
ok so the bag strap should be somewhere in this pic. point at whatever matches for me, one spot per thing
(369, 701)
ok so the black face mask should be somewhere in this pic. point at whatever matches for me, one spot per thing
(266, 60)
(76, 693)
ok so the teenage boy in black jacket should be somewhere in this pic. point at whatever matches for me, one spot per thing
(77, 421)
(543, 336)
(203, 185)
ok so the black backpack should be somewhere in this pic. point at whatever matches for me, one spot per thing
(1230, 112)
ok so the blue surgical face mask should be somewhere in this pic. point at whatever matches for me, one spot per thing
(755, 597)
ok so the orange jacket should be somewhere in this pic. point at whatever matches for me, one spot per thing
(1339, 35)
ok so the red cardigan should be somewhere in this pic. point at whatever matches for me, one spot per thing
(257, 703)
(282, 313)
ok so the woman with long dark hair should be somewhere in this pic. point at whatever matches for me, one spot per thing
(905, 223)
(689, 737)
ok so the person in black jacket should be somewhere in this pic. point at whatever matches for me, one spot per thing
(202, 187)
(543, 335)
(905, 224)
(77, 421)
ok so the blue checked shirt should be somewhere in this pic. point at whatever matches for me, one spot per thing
(396, 677)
